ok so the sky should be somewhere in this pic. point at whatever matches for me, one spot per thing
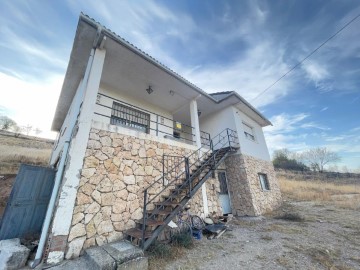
(242, 46)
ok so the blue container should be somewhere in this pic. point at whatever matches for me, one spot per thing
(197, 234)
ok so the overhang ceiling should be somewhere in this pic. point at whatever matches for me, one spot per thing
(130, 71)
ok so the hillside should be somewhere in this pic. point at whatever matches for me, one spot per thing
(17, 150)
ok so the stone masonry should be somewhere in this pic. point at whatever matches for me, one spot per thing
(247, 196)
(116, 170)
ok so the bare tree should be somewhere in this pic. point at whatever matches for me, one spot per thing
(37, 131)
(6, 123)
(27, 129)
(318, 157)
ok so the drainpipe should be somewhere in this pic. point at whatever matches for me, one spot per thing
(99, 40)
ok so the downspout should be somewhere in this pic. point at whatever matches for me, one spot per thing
(65, 151)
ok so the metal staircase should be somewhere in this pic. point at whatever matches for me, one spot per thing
(164, 198)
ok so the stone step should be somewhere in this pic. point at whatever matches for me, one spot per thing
(118, 255)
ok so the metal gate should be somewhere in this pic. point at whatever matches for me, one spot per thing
(26, 208)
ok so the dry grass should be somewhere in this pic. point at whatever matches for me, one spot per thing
(14, 151)
(342, 195)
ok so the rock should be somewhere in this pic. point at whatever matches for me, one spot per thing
(107, 199)
(123, 194)
(119, 206)
(88, 217)
(96, 195)
(75, 247)
(140, 263)
(105, 227)
(105, 141)
(106, 212)
(116, 217)
(150, 153)
(77, 218)
(91, 162)
(94, 144)
(12, 254)
(109, 151)
(99, 258)
(87, 173)
(97, 219)
(129, 179)
(114, 236)
(117, 161)
(105, 185)
(142, 152)
(77, 231)
(127, 171)
(132, 188)
(137, 214)
(83, 199)
(87, 189)
(90, 229)
(89, 243)
(92, 208)
(149, 170)
(139, 171)
(131, 197)
(118, 185)
(100, 155)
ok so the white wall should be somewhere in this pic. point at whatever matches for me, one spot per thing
(257, 148)
(218, 121)
(63, 133)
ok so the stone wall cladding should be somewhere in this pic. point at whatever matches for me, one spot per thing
(247, 196)
(115, 172)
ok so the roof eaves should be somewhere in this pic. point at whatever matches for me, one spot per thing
(152, 60)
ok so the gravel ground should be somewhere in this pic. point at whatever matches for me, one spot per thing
(328, 238)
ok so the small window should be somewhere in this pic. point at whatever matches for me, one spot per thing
(249, 132)
(122, 115)
(264, 181)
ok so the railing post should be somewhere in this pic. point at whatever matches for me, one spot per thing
(157, 125)
(144, 221)
(187, 173)
(211, 145)
(227, 132)
(163, 159)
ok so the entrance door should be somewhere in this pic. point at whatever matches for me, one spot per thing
(26, 208)
(224, 193)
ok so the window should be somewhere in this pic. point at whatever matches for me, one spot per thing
(122, 115)
(249, 132)
(264, 181)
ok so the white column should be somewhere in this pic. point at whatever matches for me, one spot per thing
(195, 124)
(64, 211)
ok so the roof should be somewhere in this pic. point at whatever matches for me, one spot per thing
(84, 42)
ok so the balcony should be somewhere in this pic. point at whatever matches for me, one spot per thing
(120, 113)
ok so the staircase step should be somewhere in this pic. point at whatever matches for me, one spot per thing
(151, 222)
(168, 203)
(137, 233)
(159, 212)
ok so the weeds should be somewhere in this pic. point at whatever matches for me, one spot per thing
(291, 217)
(182, 239)
(160, 250)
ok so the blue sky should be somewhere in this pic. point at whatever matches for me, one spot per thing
(218, 45)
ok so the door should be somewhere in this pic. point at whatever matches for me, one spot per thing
(26, 208)
(224, 193)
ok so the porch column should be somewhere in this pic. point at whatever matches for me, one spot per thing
(196, 130)
(64, 211)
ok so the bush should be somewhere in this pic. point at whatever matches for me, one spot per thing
(182, 239)
(291, 217)
(160, 250)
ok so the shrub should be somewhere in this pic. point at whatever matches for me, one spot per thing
(182, 239)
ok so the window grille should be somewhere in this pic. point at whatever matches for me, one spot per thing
(249, 132)
(122, 115)
(264, 181)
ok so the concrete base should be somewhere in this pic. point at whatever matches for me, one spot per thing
(120, 255)
(12, 254)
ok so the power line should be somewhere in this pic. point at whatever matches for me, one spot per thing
(309, 55)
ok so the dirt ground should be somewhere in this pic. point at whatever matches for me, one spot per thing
(327, 238)
(6, 183)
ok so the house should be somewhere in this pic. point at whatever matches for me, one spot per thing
(131, 132)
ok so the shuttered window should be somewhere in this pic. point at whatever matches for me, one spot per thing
(122, 115)
(249, 132)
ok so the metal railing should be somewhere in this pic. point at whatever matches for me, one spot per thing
(180, 173)
(134, 117)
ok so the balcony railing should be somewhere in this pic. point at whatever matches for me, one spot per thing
(130, 116)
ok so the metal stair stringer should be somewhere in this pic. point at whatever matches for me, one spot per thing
(186, 198)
